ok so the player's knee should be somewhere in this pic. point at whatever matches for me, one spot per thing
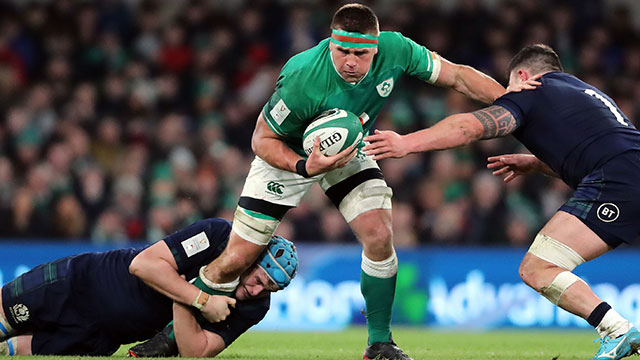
(378, 239)
(547, 267)
(530, 271)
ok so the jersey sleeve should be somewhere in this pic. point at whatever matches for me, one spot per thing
(198, 244)
(288, 110)
(518, 104)
(246, 314)
(418, 60)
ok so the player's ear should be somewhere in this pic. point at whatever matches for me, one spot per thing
(523, 75)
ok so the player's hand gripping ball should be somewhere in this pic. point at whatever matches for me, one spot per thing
(338, 129)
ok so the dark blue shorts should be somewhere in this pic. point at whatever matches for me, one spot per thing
(608, 200)
(49, 302)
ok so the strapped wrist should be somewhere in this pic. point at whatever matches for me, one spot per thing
(201, 300)
(301, 168)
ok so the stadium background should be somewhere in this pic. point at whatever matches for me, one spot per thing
(123, 121)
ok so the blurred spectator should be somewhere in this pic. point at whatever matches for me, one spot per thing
(109, 228)
(125, 120)
(69, 220)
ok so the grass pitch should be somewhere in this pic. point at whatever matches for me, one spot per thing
(419, 343)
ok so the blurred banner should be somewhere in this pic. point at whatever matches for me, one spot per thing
(456, 288)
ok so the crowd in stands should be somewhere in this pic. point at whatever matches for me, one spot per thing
(127, 120)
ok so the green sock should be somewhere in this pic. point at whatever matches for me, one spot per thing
(378, 296)
(169, 331)
(201, 320)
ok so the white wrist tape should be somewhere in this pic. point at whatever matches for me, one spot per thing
(196, 302)
(225, 287)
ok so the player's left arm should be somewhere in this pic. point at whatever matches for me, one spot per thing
(192, 339)
(453, 131)
(468, 81)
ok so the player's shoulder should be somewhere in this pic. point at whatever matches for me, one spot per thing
(392, 39)
(387, 36)
(394, 48)
(298, 65)
(305, 73)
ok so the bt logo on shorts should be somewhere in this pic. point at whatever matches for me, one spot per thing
(275, 188)
(608, 212)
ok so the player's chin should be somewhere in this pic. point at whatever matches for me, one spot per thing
(242, 293)
(352, 77)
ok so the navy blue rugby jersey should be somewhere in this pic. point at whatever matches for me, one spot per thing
(129, 310)
(570, 125)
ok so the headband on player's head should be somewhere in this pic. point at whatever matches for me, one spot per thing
(353, 39)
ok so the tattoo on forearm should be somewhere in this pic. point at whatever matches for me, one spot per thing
(496, 121)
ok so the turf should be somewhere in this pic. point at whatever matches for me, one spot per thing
(419, 343)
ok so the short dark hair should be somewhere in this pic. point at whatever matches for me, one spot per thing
(356, 18)
(537, 58)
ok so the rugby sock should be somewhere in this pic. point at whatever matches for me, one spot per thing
(612, 324)
(5, 329)
(169, 331)
(378, 286)
(211, 288)
(9, 347)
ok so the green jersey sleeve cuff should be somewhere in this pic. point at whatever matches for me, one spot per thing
(435, 64)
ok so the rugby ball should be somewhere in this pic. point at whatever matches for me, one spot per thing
(337, 128)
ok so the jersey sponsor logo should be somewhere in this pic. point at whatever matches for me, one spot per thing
(195, 244)
(275, 188)
(280, 112)
(385, 87)
(19, 312)
(608, 212)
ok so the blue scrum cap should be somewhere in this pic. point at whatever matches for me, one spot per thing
(279, 261)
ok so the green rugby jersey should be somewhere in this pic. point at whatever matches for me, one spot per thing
(309, 84)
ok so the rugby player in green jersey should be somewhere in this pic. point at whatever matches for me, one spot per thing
(355, 69)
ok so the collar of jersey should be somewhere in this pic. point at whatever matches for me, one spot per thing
(340, 76)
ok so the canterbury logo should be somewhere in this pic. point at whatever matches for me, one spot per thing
(275, 187)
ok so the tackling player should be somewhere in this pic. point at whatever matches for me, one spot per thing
(576, 133)
(90, 304)
(356, 69)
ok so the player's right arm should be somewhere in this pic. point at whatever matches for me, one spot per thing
(453, 131)
(268, 146)
(192, 339)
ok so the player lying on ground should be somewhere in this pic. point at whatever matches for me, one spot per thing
(576, 133)
(90, 304)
